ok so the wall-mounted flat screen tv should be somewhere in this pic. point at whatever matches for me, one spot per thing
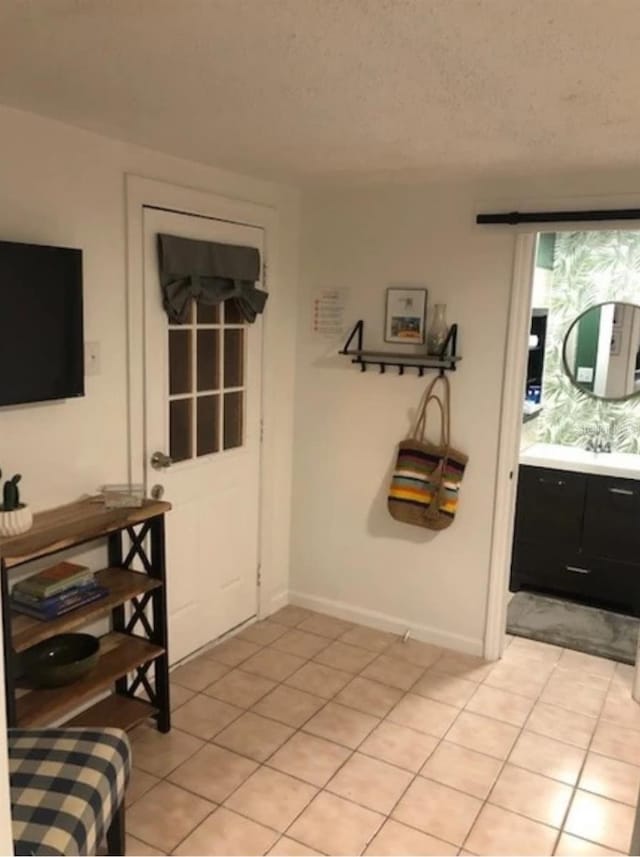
(41, 334)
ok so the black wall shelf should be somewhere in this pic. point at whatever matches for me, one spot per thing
(445, 362)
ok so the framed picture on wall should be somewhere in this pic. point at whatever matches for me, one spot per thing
(406, 314)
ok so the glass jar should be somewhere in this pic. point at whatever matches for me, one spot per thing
(438, 330)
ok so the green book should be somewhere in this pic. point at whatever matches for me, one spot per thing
(57, 578)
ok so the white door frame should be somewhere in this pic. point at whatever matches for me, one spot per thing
(141, 192)
(509, 443)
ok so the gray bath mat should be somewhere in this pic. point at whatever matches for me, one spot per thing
(573, 626)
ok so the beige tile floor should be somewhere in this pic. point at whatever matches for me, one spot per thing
(305, 734)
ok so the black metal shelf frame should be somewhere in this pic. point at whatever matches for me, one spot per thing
(147, 544)
(444, 362)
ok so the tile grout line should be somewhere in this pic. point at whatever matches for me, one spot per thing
(348, 758)
(381, 718)
(388, 816)
(299, 729)
(506, 760)
(385, 817)
(376, 654)
(206, 741)
(260, 764)
(522, 728)
(575, 788)
(283, 683)
(352, 754)
(384, 717)
(459, 847)
(599, 719)
(264, 763)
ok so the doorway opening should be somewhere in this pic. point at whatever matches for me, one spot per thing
(573, 543)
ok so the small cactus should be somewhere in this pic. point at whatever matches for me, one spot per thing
(11, 494)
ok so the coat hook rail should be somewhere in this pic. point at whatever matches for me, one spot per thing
(446, 361)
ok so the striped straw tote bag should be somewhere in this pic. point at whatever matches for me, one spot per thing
(427, 476)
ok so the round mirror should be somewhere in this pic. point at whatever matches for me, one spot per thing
(601, 351)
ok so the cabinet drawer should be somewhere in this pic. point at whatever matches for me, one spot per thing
(612, 518)
(596, 581)
(550, 507)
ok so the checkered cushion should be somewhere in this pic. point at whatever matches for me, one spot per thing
(66, 785)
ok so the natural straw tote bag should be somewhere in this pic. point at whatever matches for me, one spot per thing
(426, 480)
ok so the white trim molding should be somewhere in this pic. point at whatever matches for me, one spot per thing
(509, 444)
(145, 192)
(275, 603)
(385, 622)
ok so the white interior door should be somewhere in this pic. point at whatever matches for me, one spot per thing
(203, 411)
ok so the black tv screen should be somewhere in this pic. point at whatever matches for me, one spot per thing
(41, 336)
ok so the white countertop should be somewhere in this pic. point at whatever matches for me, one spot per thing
(623, 464)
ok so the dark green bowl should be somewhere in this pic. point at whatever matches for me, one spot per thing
(60, 660)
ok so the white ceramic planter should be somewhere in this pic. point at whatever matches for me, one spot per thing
(16, 522)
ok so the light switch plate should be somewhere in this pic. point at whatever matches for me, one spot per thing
(585, 374)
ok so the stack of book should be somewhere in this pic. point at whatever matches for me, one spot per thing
(56, 590)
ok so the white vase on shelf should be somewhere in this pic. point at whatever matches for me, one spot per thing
(438, 330)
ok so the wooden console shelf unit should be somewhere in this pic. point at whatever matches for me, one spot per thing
(137, 641)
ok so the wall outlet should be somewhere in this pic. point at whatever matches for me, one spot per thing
(92, 358)
(585, 374)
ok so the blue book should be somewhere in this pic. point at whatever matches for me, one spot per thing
(53, 600)
(53, 611)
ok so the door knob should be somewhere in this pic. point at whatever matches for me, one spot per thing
(159, 461)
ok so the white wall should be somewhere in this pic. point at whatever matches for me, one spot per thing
(348, 555)
(60, 185)
(63, 186)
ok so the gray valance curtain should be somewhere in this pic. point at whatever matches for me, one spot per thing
(208, 273)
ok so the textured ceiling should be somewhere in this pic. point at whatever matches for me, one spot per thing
(315, 90)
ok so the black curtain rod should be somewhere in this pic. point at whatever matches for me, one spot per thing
(513, 218)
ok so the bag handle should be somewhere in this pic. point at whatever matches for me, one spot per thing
(419, 429)
(431, 514)
(421, 426)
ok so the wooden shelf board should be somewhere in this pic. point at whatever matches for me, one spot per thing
(121, 712)
(119, 654)
(73, 524)
(122, 585)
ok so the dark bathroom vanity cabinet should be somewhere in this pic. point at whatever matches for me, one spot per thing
(577, 535)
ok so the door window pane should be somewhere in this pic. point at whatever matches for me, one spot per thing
(208, 424)
(208, 360)
(208, 314)
(179, 362)
(232, 314)
(180, 433)
(233, 419)
(234, 358)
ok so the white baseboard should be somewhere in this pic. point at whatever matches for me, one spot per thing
(384, 622)
(276, 602)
